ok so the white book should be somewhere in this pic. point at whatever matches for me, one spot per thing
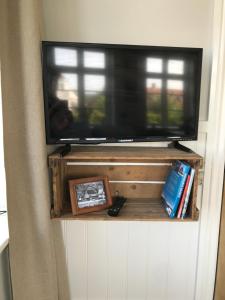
(188, 193)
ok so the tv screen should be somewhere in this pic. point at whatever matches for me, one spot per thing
(119, 93)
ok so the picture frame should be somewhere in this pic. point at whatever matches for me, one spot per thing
(89, 194)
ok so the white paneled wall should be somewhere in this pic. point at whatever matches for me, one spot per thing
(132, 260)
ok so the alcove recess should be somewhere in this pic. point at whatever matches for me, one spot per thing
(137, 173)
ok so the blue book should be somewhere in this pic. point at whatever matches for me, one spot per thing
(173, 188)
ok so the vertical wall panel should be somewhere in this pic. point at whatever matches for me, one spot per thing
(77, 259)
(137, 255)
(157, 260)
(117, 240)
(61, 247)
(182, 260)
(97, 260)
(129, 260)
(191, 259)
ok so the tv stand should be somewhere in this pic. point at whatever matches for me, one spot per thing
(137, 173)
(177, 145)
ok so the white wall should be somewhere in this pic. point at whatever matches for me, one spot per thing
(126, 267)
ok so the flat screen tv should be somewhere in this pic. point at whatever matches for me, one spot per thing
(104, 93)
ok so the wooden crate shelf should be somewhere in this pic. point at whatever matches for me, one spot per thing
(137, 173)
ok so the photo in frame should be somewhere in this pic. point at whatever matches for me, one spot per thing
(89, 194)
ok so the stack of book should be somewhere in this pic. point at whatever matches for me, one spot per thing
(177, 189)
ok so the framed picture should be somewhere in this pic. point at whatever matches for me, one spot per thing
(89, 194)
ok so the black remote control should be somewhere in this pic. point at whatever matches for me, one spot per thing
(117, 205)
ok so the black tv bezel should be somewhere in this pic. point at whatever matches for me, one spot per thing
(128, 139)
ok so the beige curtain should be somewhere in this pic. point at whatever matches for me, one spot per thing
(31, 244)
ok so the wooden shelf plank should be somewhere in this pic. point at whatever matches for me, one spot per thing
(134, 154)
(133, 210)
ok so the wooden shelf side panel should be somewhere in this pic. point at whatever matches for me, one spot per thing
(57, 186)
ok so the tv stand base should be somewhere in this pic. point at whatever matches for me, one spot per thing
(177, 145)
(64, 150)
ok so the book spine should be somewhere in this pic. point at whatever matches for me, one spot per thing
(174, 211)
(181, 205)
(174, 187)
(188, 194)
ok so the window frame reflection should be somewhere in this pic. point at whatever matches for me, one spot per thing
(164, 76)
(68, 50)
(174, 61)
(153, 69)
(153, 115)
(101, 65)
(81, 70)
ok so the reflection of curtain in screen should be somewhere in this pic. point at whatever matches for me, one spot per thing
(31, 243)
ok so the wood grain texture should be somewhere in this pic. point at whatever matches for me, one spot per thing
(133, 210)
(137, 190)
(128, 154)
(192, 206)
(57, 186)
(118, 172)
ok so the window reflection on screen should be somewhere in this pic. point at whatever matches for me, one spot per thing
(154, 65)
(94, 86)
(94, 59)
(98, 92)
(94, 83)
(154, 98)
(175, 100)
(65, 57)
(176, 66)
(165, 94)
(67, 90)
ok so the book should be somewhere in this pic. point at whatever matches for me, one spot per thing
(181, 204)
(173, 187)
(186, 201)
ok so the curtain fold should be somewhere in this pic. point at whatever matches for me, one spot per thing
(31, 239)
